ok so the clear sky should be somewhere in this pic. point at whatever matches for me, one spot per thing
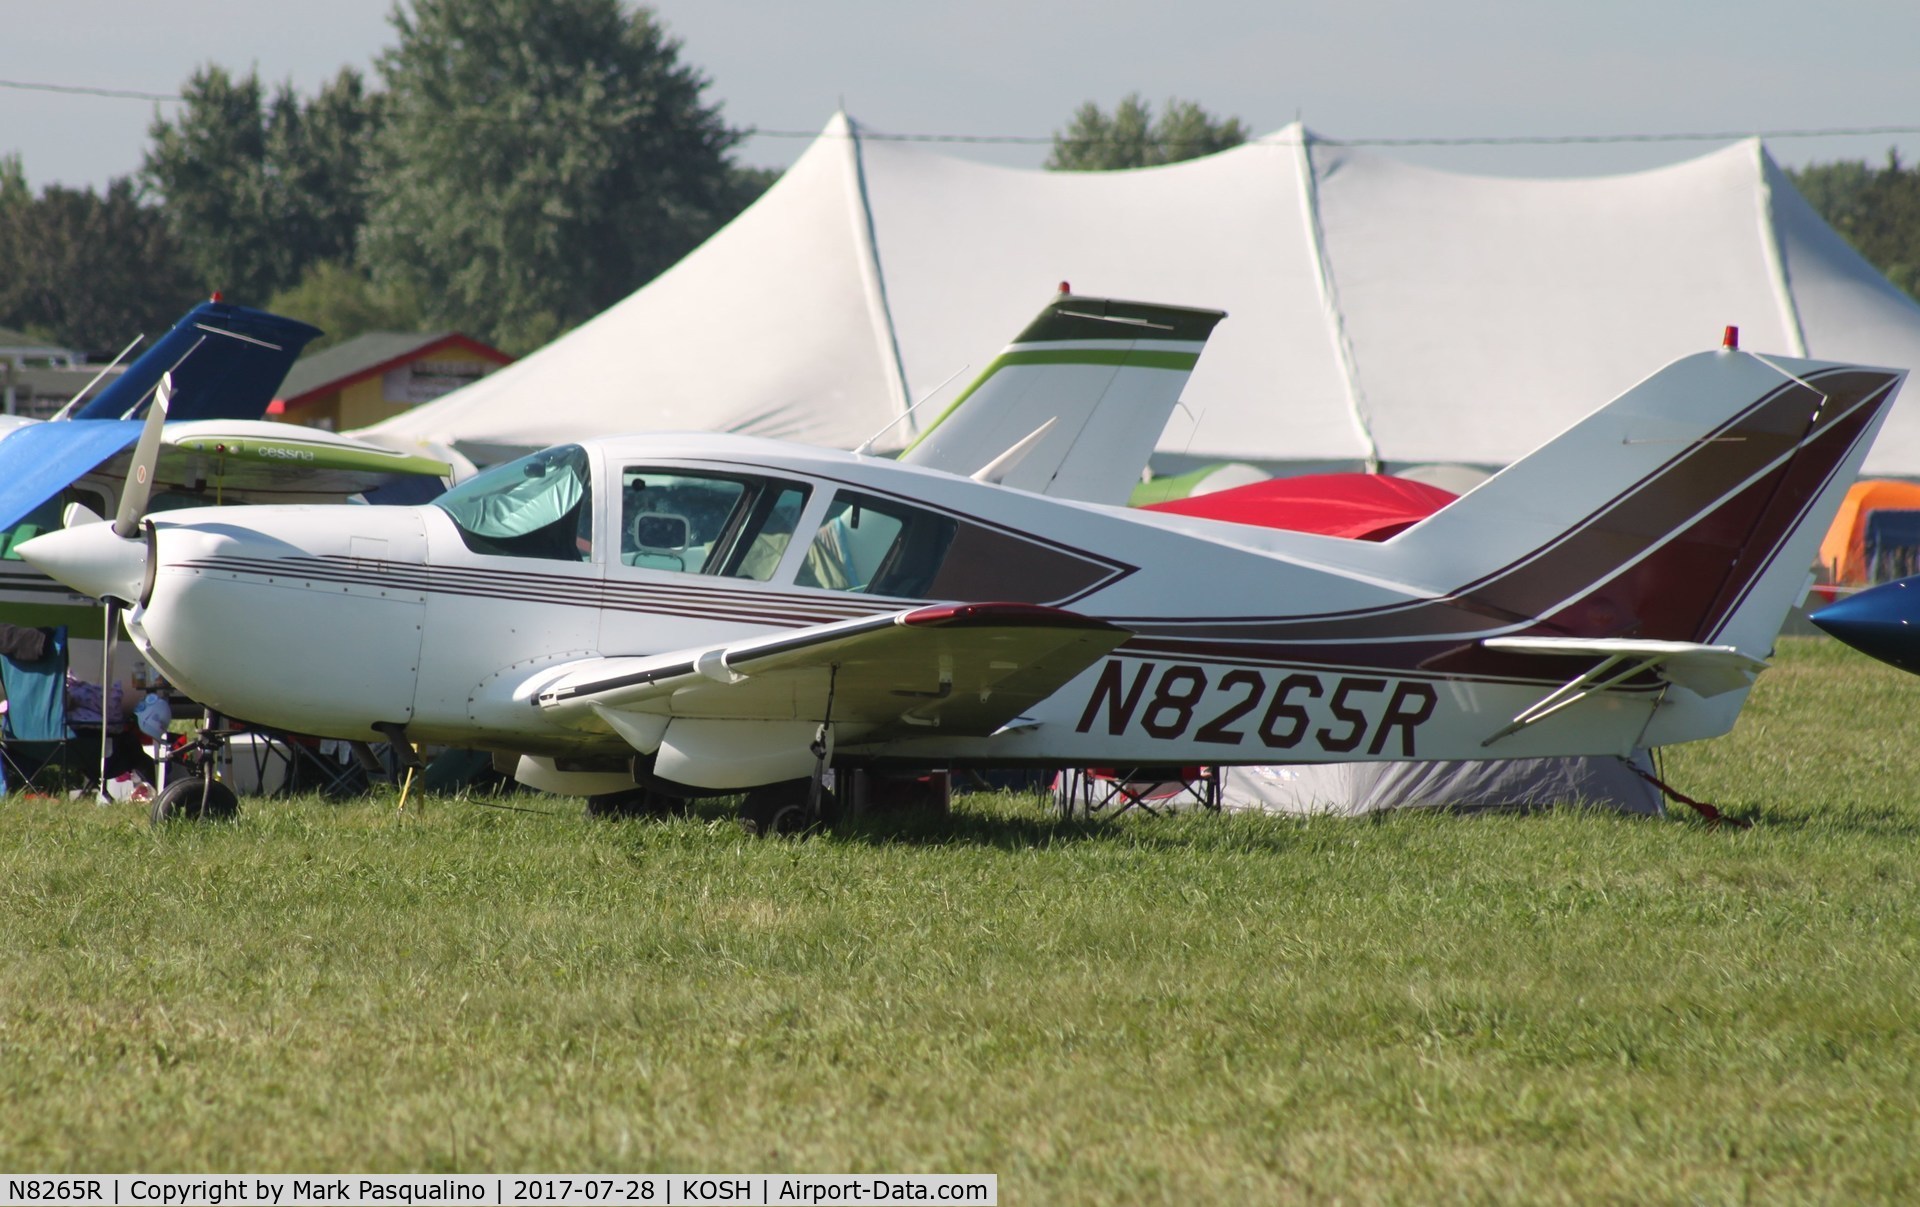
(1358, 69)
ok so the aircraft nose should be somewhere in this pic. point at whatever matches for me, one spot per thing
(91, 559)
(1883, 622)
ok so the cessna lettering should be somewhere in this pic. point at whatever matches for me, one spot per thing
(1278, 709)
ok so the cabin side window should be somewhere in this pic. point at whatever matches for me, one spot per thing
(877, 547)
(540, 506)
(696, 522)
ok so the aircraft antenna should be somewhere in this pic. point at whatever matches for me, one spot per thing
(105, 369)
(866, 446)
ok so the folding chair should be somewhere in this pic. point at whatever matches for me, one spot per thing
(1090, 791)
(34, 732)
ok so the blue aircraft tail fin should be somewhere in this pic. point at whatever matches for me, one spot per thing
(226, 360)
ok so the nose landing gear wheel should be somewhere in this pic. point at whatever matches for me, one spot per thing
(194, 798)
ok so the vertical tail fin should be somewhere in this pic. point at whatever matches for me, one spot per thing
(226, 362)
(1688, 509)
(1106, 374)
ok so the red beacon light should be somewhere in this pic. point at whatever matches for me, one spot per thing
(1730, 339)
(1065, 288)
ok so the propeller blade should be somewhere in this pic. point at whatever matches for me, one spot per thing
(146, 458)
(106, 692)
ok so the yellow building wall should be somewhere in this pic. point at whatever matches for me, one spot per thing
(362, 403)
(368, 401)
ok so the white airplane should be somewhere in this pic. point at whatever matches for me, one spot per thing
(705, 614)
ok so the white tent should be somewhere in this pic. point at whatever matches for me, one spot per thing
(1377, 311)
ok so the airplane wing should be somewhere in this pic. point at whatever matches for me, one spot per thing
(254, 461)
(39, 460)
(262, 457)
(1705, 670)
(967, 669)
(257, 461)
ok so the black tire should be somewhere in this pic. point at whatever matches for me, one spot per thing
(635, 802)
(194, 798)
(781, 809)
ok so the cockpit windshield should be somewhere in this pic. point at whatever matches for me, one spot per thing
(539, 506)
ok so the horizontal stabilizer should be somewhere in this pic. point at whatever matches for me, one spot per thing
(964, 668)
(1705, 670)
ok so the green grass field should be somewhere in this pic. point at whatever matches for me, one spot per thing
(1558, 1006)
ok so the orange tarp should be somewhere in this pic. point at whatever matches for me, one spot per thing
(1843, 554)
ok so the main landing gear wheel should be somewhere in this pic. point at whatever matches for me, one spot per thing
(194, 798)
(782, 809)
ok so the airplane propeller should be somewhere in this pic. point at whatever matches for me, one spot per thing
(146, 459)
(134, 497)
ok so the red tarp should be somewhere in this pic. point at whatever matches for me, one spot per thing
(1363, 507)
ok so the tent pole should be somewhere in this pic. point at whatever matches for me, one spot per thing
(1330, 303)
(875, 279)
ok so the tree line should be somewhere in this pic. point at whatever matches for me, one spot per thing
(520, 166)
(526, 164)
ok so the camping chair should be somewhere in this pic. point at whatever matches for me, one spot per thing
(311, 770)
(34, 731)
(1093, 790)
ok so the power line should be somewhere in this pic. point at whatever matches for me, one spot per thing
(132, 94)
(1548, 140)
(1518, 140)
